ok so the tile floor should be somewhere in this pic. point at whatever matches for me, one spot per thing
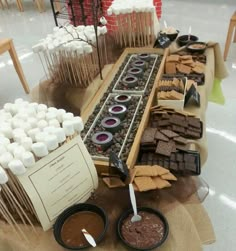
(209, 20)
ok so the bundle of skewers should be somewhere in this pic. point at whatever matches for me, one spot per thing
(134, 22)
(69, 55)
(28, 132)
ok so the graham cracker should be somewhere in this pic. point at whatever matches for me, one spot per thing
(170, 68)
(198, 69)
(144, 183)
(184, 68)
(172, 58)
(168, 176)
(113, 182)
(160, 183)
(161, 170)
(146, 171)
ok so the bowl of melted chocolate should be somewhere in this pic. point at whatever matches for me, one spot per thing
(69, 225)
(148, 233)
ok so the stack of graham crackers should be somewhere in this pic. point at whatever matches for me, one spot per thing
(146, 178)
(170, 89)
(183, 64)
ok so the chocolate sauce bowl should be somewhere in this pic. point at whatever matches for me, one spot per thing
(147, 234)
(139, 63)
(144, 56)
(123, 99)
(102, 140)
(111, 124)
(68, 226)
(130, 81)
(136, 71)
(118, 111)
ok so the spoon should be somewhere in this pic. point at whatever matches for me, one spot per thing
(89, 238)
(189, 32)
(136, 217)
(165, 24)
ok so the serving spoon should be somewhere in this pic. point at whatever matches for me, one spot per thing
(136, 217)
(89, 238)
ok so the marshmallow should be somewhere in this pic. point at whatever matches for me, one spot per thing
(19, 136)
(42, 123)
(42, 108)
(60, 113)
(40, 149)
(32, 133)
(51, 142)
(41, 115)
(28, 159)
(5, 159)
(16, 122)
(19, 150)
(4, 141)
(3, 176)
(26, 127)
(52, 109)
(26, 142)
(68, 127)
(67, 116)
(51, 115)
(49, 129)
(54, 123)
(2, 149)
(11, 147)
(33, 122)
(7, 131)
(34, 105)
(103, 20)
(17, 167)
(7, 107)
(78, 124)
(41, 136)
(60, 133)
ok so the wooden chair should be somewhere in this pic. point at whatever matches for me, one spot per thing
(231, 30)
(7, 45)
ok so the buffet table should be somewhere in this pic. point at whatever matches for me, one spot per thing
(190, 226)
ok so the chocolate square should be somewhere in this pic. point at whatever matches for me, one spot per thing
(160, 136)
(181, 147)
(148, 136)
(191, 167)
(181, 166)
(180, 140)
(169, 133)
(164, 148)
(189, 158)
(179, 157)
(178, 129)
(173, 166)
(173, 157)
(166, 164)
(178, 122)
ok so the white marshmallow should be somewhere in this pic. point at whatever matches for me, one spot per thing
(7, 107)
(7, 131)
(17, 167)
(41, 115)
(68, 127)
(49, 129)
(78, 124)
(32, 133)
(67, 116)
(3, 149)
(26, 127)
(19, 150)
(109, 11)
(16, 123)
(103, 20)
(52, 109)
(33, 122)
(3, 176)
(41, 136)
(51, 142)
(11, 147)
(28, 159)
(26, 142)
(42, 108)
(60, 133)
(42, 123)
(54, 123)
(4, 141)
(19, 101)
(5, 159)
(60, 113)
(51, 115)
(40, 149)
(19, 136)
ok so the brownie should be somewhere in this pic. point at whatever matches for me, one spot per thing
(164, 148)
(148, 136)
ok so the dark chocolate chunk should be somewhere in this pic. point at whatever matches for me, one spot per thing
(189, 158)
(191, 167)
(150, 156)
(166, 164)
(165, 116)
(172, 157)
(178, 122)
(169, 133)
(181, 147)
(195, 122)
(160, 136)
(181, 166)
(164, 122)
(164, 148)
(180, 140)
(178, 116)
(192, 134)
(195, 129)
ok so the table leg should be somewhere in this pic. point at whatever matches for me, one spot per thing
(229, 39)
(18, 67)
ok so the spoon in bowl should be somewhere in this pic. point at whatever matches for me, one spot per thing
(89, 238)
(136, 217)
(189, 32)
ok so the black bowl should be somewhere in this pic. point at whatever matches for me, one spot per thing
(75, 209)
(185, 39)
(146, 209)
(199, 50)
(171, 36)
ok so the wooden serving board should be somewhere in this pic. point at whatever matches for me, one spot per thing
(102, 166)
